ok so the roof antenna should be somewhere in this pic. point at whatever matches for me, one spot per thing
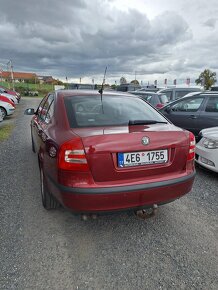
(102, 86)
(102, 89)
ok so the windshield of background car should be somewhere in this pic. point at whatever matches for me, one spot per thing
(169, 94)
(163, 99)
(89, 111)
(146, 98)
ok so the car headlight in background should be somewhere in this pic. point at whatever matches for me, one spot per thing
(210, 144)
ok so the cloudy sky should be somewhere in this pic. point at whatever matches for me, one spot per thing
(152, 39)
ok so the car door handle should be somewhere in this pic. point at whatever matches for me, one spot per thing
(193, 117)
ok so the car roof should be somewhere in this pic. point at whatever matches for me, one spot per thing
(191, 94)
(209, 93)
(144, 93)
(196, 94)
(90, 93)
(181, 89)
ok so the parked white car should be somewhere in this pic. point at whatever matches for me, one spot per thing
(6, 109)
(207, 149)
(10, 97)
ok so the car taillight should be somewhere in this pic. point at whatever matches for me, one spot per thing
(159, 106)
(71, 156)
(191, 153)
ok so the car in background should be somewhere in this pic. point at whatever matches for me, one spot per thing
(149, 88)
(175, 93)
(129, 87)
(10, 92)
(117, 153)
(214, 88)
(76, 86)
(31, 93)
(5, 99)
(156, 100)
(207, 149)
(6, 109)
(10, 97)
(195, 112)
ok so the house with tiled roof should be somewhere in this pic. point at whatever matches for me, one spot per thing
(17, 76)
(46, 79)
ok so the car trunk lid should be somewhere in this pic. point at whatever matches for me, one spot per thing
(104, 145)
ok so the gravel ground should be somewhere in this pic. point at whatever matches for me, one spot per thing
(177, 249)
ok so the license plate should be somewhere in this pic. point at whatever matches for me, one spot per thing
(142, 158)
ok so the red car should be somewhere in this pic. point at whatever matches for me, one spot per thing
(155, 99)
(10, 92)
(108, 152)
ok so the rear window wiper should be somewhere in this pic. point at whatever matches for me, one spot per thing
(145, 122)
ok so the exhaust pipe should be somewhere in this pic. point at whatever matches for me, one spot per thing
(147, 213)
(85, 217)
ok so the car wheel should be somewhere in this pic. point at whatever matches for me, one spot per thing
(4, 113)
(48, 201)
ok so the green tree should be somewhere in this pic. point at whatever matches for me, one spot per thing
(135, 82)
(113, 87)
(207, 78)
(123, 81)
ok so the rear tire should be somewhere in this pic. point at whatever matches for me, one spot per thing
(48, 201)
(4, 113)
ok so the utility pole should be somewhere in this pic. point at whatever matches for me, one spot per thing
(12, 75)
(10, 69)
(1, 72)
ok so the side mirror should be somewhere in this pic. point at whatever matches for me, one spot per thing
(29, 111)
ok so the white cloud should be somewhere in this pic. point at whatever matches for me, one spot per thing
(79, 38)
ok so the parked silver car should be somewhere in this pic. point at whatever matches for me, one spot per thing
(178, 92)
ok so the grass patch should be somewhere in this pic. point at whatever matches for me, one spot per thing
(5, 131)
(43, 89)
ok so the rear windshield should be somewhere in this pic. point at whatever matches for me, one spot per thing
(89, 111)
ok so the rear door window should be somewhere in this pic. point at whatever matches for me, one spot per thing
(188, 105)
(180, 94)
(212, 105)
(46, 111)
(40, 107)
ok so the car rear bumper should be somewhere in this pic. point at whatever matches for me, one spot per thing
(121, 197)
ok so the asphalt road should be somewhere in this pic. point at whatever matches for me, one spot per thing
(177, 249)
